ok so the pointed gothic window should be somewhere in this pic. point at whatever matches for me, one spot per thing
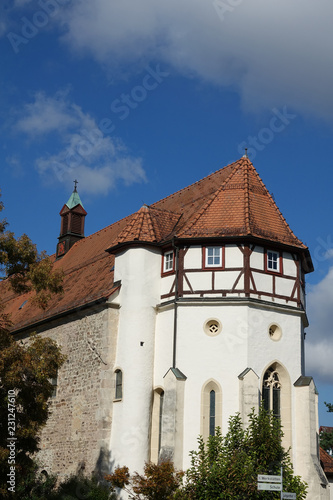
(212, 411)
(271, 392)
(211, 408)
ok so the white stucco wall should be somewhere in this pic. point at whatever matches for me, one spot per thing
(243, 342)
(139, 270)
(233, 256)
(289, 265)
(257, 258)
(193, 257)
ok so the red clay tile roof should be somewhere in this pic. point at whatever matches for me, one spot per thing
(326, 461)
(230, 202)
(149, 225)
(88, 278)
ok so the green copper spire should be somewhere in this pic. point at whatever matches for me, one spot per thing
(74, 198)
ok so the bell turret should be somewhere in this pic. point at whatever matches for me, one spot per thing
(72, 223)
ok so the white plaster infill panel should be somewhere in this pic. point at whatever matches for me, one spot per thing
(199, 281)
(225, 280)
(284, 286)
(264, 282)
(193, 258)
(257, 258)
(166, 284)
(233, 256)
(289, 265)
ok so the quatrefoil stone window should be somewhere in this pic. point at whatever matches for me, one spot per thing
(212, 327)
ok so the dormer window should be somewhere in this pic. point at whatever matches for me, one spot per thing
(213, 257)
(273, 261)
(168, 262)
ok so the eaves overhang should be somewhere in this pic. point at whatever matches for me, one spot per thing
(303, 252)
(62, 314)
(131, 244)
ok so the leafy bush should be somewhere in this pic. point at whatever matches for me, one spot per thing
(226, 468)
(159, 482)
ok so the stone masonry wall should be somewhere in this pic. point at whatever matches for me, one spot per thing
(77, 434)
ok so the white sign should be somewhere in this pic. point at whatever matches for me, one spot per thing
(269, 479)
(270, 486)
(289, 496)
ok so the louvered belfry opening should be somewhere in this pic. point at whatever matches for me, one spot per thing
(72, 224)
(64, 224)
(76, 223)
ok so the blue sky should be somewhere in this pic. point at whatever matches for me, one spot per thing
(139, 99)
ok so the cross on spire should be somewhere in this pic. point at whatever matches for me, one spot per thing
(75, 184)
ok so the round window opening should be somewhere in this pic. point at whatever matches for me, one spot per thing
(212, 327)
(275, 332)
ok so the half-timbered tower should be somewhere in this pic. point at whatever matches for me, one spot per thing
(196, 311)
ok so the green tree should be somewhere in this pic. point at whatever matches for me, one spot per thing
(227, 467)
(25, 268)
(329, 407)
(159, 481)
(25, 368)
(326, 437)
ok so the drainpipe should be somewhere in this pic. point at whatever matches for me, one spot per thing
(176, 250)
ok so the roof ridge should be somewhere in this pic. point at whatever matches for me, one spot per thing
(149, 222)
(213, 196)
(275, 205)
(196, 182)
(163, 209)
(247, 199)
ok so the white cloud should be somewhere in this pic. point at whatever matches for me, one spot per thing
(98, 160)
(272, 52)
(48, 114)
(319, 341)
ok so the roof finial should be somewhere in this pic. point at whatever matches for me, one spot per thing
(75, 184)
(245, 155)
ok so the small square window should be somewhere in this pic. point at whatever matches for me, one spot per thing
(168, 262)
(213, 256)
(273, 261)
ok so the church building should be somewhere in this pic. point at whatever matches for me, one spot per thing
(173, 319)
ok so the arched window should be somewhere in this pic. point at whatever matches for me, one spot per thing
(211, 409)
(271, 391)
(160, 421)
(276, 396)
(119, 384)
(156, 425)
